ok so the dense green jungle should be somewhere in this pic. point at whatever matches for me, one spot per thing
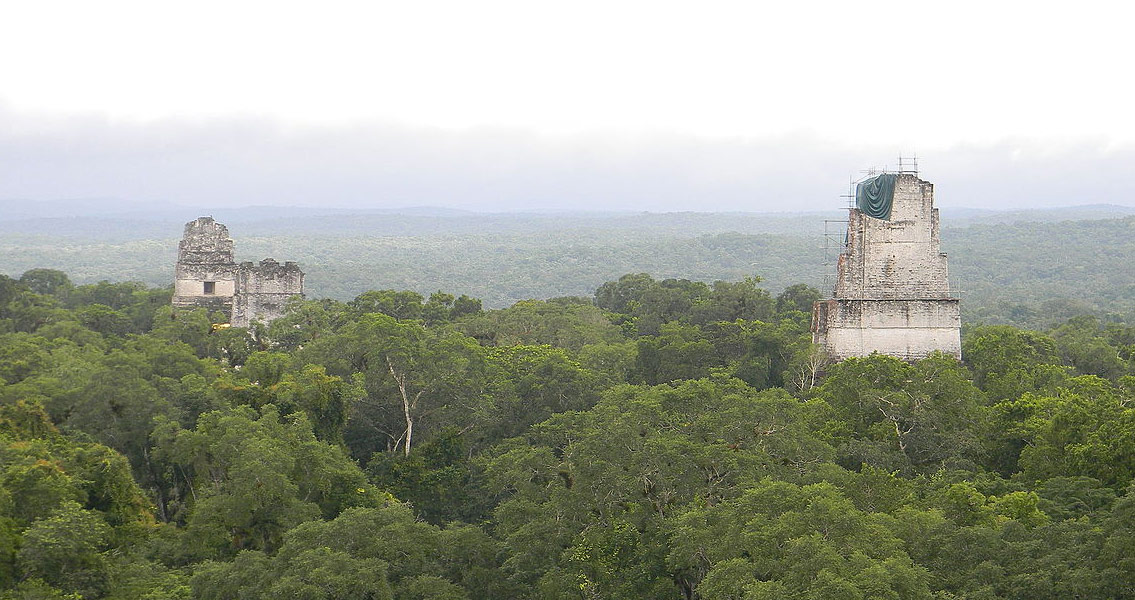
(628, 436)
(654, 438)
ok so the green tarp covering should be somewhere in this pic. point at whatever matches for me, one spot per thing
(874, 196)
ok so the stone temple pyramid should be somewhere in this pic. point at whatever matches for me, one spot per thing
(892, 292)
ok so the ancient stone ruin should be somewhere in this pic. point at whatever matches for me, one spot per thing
(263, 289)
(206, 276)
(892, 292)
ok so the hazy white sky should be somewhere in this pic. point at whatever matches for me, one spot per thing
(793, 85)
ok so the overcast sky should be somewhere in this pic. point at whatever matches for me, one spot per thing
(554, 105)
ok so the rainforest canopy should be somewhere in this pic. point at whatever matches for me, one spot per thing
(874, 196)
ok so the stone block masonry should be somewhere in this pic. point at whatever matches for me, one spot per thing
(207, 277)
(263, 290)
(892, 292)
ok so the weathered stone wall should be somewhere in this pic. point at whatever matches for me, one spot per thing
(905, 329)
(263, 290)
(205, 275)
(892, 291)
(899, 258)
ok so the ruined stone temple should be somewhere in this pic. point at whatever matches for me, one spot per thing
(892, 291)
(206, 276)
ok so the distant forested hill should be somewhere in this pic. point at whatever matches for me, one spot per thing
(1027, 268)
(1037, 274)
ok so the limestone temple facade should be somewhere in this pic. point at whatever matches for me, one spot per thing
(207, 276)
(263, 290)
(892, 292)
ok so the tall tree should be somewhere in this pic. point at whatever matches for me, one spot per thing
(417, 379)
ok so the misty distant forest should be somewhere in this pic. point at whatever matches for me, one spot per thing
(607, 406)
(1025, 268)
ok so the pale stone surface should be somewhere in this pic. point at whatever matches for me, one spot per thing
(892, 292)
(263, 290)
(207, 277)
(905, 329)
(204, 256)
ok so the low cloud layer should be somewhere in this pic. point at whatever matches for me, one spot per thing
(241, 162)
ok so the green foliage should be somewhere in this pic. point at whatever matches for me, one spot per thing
(1080, 268)
(638, 456)
(317, 573)
(40, 472)
(434, 479)
(649, 303)
(1084, 429)
(781, 539)
(440, 307)
(306, 321)
(240, 480)
(417, 380)
(25, 420)
(325, 400)
(539, 381)
(36, 589)
(1093, 350)
(565, 324)
(22, 354)
(104, 320)
(693, 444)
(800, 297)
(65, 550)
(678, 352)
(133, 578)
(364, 553)
(1007, 362)
(912, 418)
(48, 282)
(1073, 497)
